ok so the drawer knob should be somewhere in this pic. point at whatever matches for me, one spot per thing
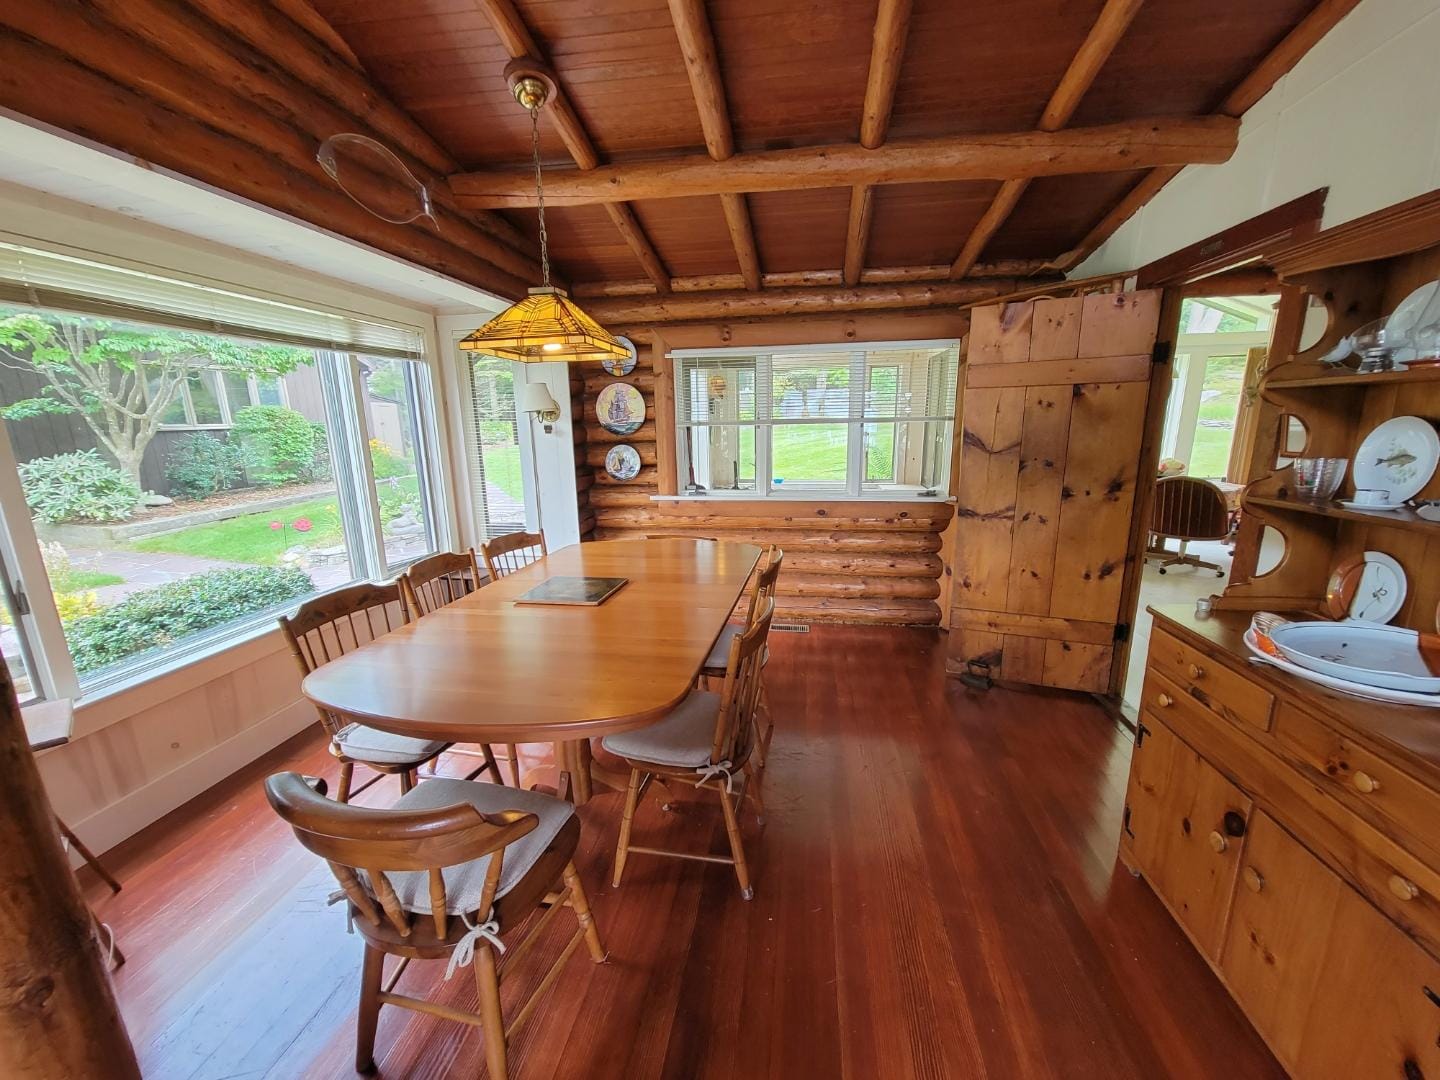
(1196, 671)
(1366, 783)
(1252, 878)
(1403, 888)
(1218, 843)
(1164, 700)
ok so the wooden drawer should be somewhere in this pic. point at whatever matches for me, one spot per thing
(1224, 692)
(1373, 788)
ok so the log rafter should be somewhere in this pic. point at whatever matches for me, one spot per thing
(1110, 26)
(515, 36)
(1118, 147)
(790, 279)
(1276, 64)
(887, 50)
(697, 46)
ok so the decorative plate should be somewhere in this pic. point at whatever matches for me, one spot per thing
(620, 367)
(1415, 311)
(1370, 586)
(1359, 652)
(623, 462)
(1399, 456)
(1371, 693)
(620, 409)
(1351, 504)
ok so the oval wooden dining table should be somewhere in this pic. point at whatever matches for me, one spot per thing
(486, 669)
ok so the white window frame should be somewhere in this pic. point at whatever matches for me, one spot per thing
(227, 420)
(855, 486)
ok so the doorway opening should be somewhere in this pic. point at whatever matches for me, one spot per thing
(1221, 344)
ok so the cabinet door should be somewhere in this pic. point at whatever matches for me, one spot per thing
(1186, 826)
(1337, 990)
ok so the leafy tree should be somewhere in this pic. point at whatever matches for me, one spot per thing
(100, 371)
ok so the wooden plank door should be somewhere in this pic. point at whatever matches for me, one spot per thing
(1053, 413)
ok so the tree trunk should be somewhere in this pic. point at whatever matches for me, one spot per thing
(58, 1018)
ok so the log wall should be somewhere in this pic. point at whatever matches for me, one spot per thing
(845, 561)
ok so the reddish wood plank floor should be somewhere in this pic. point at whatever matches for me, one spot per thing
(937, 896)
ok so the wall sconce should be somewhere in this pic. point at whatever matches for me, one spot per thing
(535, 398)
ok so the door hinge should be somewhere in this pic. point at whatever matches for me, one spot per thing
(1160, 352)
(1122, 631)
(1140, 732)
(1125, 822)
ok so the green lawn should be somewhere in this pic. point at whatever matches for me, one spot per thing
(250, 539)
(81, 580)
(502, 468)
(1211, 451)
(807, 453)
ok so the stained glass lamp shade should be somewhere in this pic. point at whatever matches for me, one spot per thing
(544, 326)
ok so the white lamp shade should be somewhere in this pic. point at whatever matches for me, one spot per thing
(535, 398)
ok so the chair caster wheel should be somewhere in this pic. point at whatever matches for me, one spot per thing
(665, 806)
(747, 894)
(1162, 569)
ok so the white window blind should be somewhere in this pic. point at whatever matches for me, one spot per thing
(492, 445)
(853, 419)
(82, 284)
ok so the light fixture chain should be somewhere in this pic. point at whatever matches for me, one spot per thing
(540, 196)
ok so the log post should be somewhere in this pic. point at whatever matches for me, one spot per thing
(58, 1017)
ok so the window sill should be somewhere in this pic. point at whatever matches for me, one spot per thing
(816, 496)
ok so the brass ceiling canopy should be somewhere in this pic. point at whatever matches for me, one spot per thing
(547, 324)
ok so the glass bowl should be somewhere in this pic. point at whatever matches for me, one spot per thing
(1318, 478)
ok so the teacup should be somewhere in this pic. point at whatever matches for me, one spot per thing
(1372, 497)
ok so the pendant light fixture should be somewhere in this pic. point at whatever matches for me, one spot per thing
(546, 325)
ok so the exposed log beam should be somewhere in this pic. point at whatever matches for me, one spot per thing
(1110, 26)
(887, 48)
(877, 275)
(1135, 144)
(697, 46)
(301, 13)
(1276, 65)
(41, 82)
(258, 85)
(821, 300)
(519, 42)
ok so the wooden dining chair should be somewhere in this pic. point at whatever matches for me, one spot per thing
(428, 585)
(715, 663)
(447, 873)
(339, 622)
(511, 552)
(707, 739)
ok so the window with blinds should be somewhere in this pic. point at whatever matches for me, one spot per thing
(56, 280)
(852, 420)
(492, 443)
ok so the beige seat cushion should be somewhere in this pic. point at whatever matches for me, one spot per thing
(465, 882)
(682, 739)
(367, 744)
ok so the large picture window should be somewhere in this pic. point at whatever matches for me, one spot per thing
(182, 486)
(817, 421)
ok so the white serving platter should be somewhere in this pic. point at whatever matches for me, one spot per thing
(1370, 693)
(1360, 652)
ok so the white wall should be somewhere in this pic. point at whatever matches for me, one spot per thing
(142, 751)
(1360, 114)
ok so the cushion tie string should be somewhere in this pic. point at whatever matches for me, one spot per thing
(464, 951)
(336, 897)
(714, 772)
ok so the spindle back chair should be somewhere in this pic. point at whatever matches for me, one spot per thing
(513, 551)
(338, 622)
(765, 584)
(431, 583)
(713, 753)
(392, 868)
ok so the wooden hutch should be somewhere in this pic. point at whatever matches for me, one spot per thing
(1294, 832)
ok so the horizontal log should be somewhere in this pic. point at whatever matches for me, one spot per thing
(595, 455)
(832, 545)
(612, 497)
(856, 587)
(584, 481)
(789, 515)
(818, 300)
(587, 523)
(882, 564)
(646, 479)
(1135, 144)
(876, 275)
(596, 379)
(44, 84)
(595, 434)
(892, 611)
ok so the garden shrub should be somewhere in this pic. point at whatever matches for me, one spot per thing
(279, 444)
(320, 467)
(81, 486)
(201, 465)
(386, 462)
(152, 618)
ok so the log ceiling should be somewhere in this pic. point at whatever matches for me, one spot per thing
(703, 156)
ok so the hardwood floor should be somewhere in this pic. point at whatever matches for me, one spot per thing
(936, 896)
